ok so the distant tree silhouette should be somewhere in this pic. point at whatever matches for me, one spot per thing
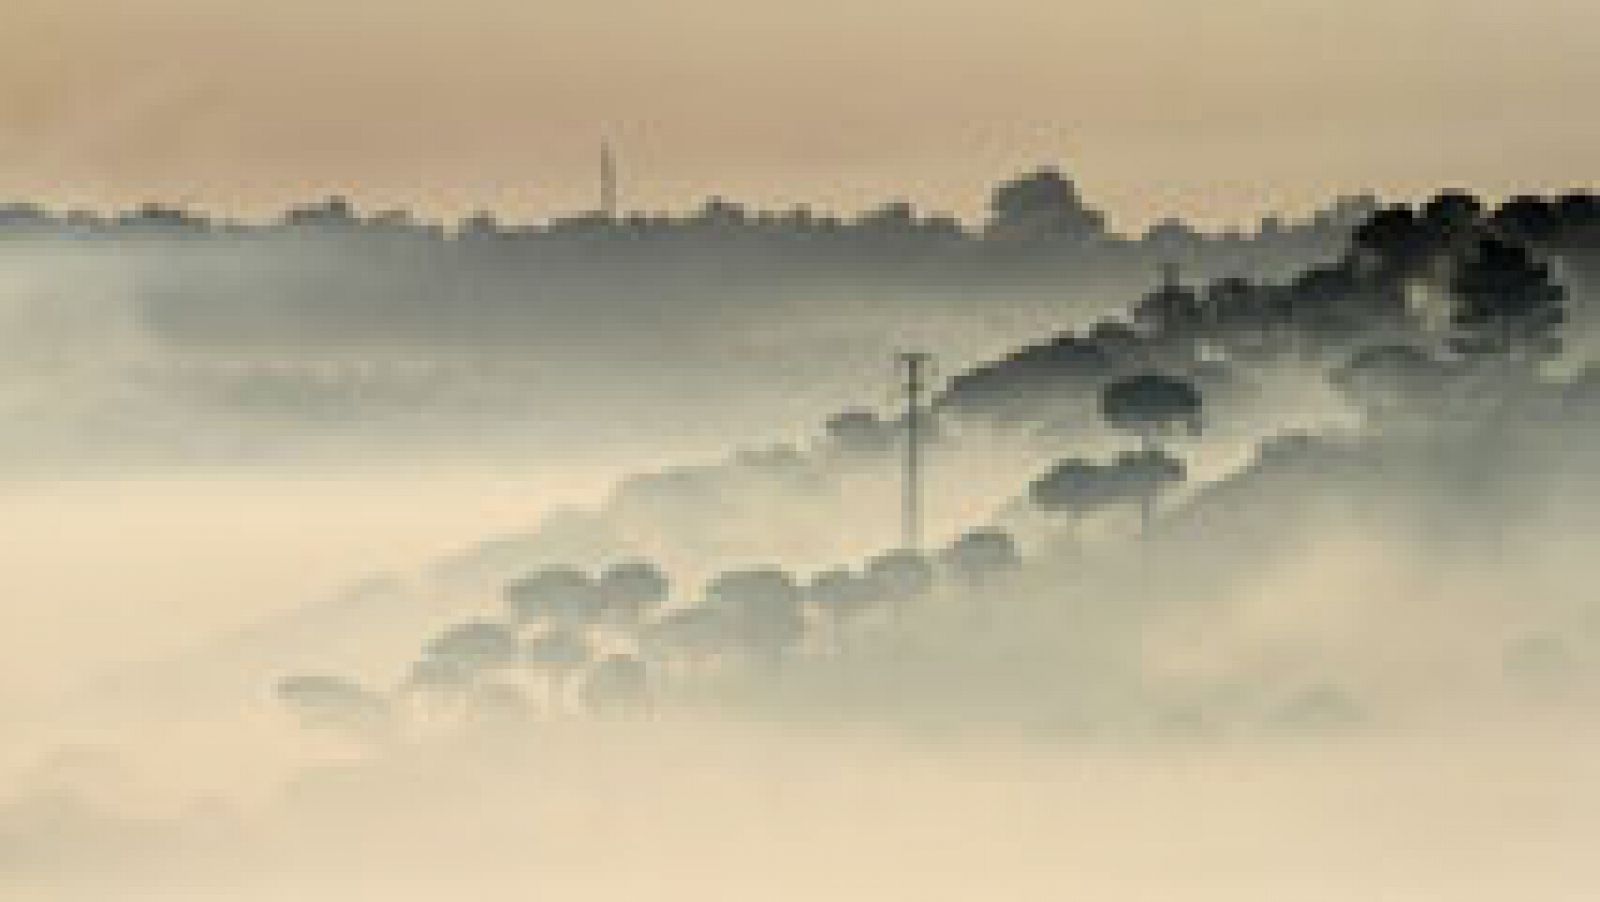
(1173, 311)
(477, 645)
(1151, 406)
(439, 675)
(1077, 486)
(1452, 214)
(1506, 304)
(629, 590)
(1018, 387)
(1395, 240)
(555, 655)
(838, 596)
(333, 702)
(900, 576)
(1042, 204)
(1082, 487)
(563, 596)
(761, 606)
(981, 555)
(861, 433)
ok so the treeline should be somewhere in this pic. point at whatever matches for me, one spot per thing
(567, 639)
(1436, 326)
(1448, 283)
(1032, 217)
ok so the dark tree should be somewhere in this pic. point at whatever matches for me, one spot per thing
(1395, 239)
(980, 556)
(1076, 485)
(1172, 311)
(1151, 406)
(1025, 383)
(1082, 487)
(861, 432)
(1042, 204)
(1506, 304)
(1452, 214)
(1527, 218)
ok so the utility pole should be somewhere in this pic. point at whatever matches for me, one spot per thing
(914, 365)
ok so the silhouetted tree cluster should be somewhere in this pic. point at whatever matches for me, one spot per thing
(611, 640)
(1448, 278)
(1418, 323)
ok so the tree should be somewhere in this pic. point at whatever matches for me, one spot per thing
(1173, 311)
(1152, 407)
(691, 635)
(435, 675)
(981, 555)
(556, 651)
(1042, 204)
(899, 576)
(762, 607)
(1506, 304)
(559, 595)
(1527, 218)
(861, 433)
(631, 589)
(336, 703)
(554, 655)
(1452, 214)
(1081, 486)
(1075, 485)
(475, 646)
(1395, 239)
(839, 595)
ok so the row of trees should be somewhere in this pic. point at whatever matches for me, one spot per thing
(602, 640)
(1043, 205)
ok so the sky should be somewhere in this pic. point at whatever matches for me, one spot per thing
(1218, 111)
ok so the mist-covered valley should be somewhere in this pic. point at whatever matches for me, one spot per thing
(363, 561)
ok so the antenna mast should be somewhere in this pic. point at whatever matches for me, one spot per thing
(608, 181)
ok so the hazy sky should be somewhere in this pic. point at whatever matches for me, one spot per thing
(1218, 110)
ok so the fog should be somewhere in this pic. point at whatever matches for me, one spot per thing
(1239, 588)
(697, 810)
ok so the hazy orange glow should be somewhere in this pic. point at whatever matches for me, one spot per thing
(1219, 111)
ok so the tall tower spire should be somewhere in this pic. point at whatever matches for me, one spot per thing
(608, 181)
